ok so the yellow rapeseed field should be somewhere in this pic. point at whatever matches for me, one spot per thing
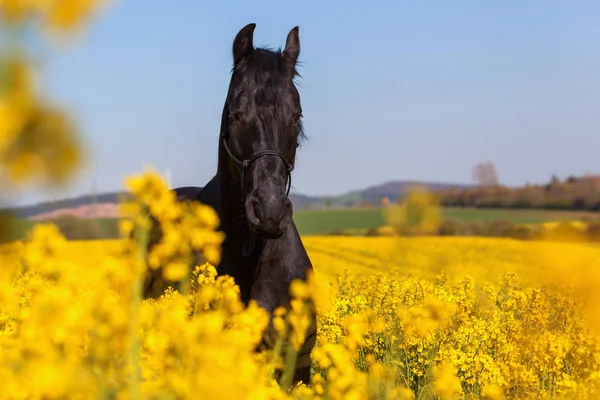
(397, 317)
(421, 318)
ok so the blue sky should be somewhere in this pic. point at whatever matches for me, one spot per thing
(390, 89)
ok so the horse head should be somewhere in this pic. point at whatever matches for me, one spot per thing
(261, 129)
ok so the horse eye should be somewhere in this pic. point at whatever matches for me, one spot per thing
(297, 118)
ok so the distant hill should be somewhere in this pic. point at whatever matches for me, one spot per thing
(104, 205)
(372, 194)
(68, 205)
(393, 189)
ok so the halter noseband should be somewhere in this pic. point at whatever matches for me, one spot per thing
(247, 162)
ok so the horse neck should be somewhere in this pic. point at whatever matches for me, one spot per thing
(229, 197)
(241, 268)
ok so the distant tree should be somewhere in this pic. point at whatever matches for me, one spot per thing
(554, 182)
(575, 192)
(485, 174)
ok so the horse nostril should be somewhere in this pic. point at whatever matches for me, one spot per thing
(253, 211)
(257, 213)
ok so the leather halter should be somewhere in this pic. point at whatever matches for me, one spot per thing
(250, 242)
(247, 162)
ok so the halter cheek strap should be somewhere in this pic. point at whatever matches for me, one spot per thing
(247, 162)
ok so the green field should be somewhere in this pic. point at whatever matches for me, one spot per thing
(517, 216)
(318, 222)
(325, 221)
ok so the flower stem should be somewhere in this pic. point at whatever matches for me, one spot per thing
(289, 367)
(141, 236)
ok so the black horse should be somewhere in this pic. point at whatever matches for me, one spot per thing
(261, 129)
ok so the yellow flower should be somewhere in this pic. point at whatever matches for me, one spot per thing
(212, 255)
(299, 289)
(175, 271)
(125, 227)
(10, 123)
(69, 13)
(446, 383)
(493, 392)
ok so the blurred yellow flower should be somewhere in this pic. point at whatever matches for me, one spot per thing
(419, 213)
(446, 383)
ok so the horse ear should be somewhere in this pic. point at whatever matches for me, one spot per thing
(243, 46)
(292, 48)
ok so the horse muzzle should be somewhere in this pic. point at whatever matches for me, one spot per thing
(268, 216)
